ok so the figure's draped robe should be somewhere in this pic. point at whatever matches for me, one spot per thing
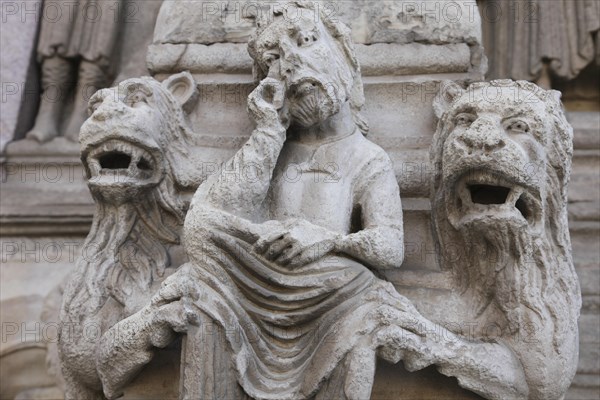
(86, 29)
(285, 330)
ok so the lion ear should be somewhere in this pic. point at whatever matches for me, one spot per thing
(556, 96)
(449, 91)
(183, 87)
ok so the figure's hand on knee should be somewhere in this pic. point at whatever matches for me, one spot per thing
(171, 309)
(299, 243)
(395, 344)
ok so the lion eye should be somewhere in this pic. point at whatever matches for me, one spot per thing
(136, 98)
(93, 105)
(518, 127)
(464, 119)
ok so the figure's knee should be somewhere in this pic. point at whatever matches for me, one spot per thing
(198, 230)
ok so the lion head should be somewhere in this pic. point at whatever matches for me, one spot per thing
(134, 148)
(138, 137)
(502, 155)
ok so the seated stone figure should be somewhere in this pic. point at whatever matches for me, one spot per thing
(283, 258)
(283, 242)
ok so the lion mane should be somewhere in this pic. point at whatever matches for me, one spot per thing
(137, 175)
(532, 273)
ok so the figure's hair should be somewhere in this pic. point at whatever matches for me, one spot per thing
(340, 32)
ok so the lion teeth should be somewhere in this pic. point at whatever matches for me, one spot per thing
(120, 162)
(514, 195)
(94, 166)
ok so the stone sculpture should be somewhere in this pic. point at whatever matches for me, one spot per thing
(502, 152)
(78, 35)
(135, 152)
(278, 295)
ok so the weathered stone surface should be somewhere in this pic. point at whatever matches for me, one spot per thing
(80, 48)
(375, 60)
(35, 266)
(371, 21)
(499, 210)
(138, 29)
(589, 355)
(199, 58)
(270, 256)
(76, 50)
(138, 183)
(185, 28)
(44, 190)
(305, 111)
(398, 107)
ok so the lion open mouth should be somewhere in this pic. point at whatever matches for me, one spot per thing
(482, 195)
(116, 161)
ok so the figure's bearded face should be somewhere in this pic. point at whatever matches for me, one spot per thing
(304, 55)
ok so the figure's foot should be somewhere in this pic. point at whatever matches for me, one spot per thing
(43, 131)
(77, 119)
(91, 77)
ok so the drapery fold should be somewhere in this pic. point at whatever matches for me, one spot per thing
(520, 36)
(286, 330)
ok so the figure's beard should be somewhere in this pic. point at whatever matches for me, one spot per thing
(312, 103)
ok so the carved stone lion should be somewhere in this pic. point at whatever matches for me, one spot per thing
(502, 154)
(134, 149)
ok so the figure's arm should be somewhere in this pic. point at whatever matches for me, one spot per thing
(380, 242)
(123, 351)
(490, 369)
(130, 344)
(243, 183)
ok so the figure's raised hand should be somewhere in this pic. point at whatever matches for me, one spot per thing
(266, 105)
